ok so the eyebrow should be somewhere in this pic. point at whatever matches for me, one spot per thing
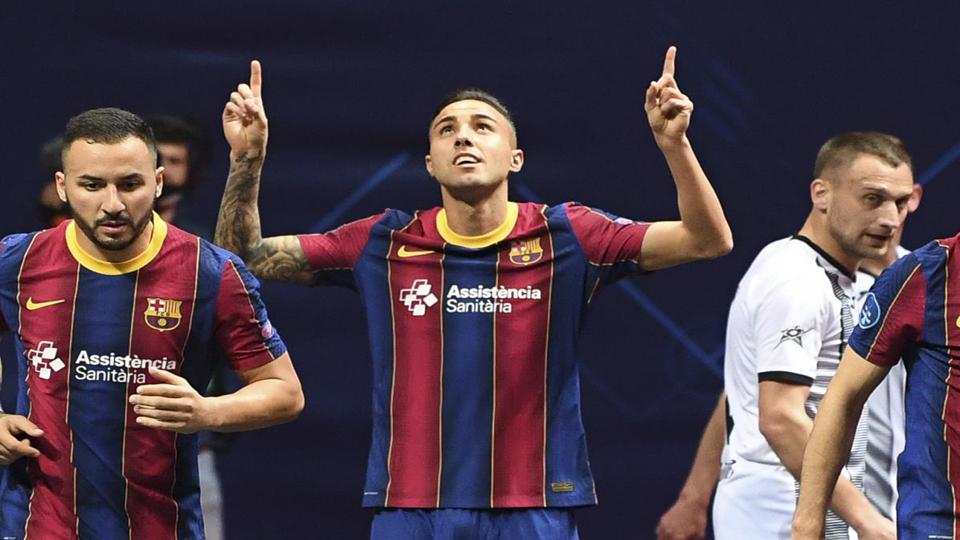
(473, 117)
(886, 191)
(131, 176)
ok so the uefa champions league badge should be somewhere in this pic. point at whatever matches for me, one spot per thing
(870, 312)
(266, 331)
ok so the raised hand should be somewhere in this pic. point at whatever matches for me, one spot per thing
(172, 404)
(668, 109)
(244, 119)
(13, 444)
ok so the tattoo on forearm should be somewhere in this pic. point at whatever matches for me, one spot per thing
(238, 228)
(281, 259)
(238, 225)
(249, 159)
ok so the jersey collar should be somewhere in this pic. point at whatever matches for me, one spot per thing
(117, 268)
(823, 253)
(484, 240)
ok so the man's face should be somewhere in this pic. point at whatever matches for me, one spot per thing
(866, 204)
(111, 190)
(175, 160)
(472, 147)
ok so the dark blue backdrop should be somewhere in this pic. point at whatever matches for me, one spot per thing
(349, 87)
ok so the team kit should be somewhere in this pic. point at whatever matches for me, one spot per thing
(838, 418)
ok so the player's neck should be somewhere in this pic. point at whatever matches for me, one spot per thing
(878, 265)
(816, 230)
(476, 217)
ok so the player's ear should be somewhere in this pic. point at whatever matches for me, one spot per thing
(61, 181)
(429, 163)
(159, 181)
(516, 160)
(915, 197)
(820, 191)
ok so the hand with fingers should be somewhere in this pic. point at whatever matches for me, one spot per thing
(683, 521)
(244, 119)
(668, 109)
(172, 404)
(15, 442)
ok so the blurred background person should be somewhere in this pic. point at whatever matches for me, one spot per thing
(184, 150)
(51, 211)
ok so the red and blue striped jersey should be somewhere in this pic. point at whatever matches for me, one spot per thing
(86, 331)
(913, 312)
(476, 389)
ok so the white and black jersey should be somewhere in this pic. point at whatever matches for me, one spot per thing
(885, 423)
(789, 322)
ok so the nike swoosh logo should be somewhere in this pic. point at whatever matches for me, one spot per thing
(404, 253)
(31, 305)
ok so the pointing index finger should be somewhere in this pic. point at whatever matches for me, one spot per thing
(256, 78)
(669, 63)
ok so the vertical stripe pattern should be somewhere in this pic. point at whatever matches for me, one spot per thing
(520, 381)
(150, 481)
(415, 443)
(467, 379)
(98, 403)
(951, 407)
(46, 345)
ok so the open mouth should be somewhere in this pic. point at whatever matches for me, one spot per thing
(466, 159)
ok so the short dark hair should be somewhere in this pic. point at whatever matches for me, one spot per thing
(844, 148)
(476, 94)
(107, 126)
(188, 132)
(50, 158)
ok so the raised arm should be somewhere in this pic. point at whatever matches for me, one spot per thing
(829, 445)
(702, 231)
(279, 258)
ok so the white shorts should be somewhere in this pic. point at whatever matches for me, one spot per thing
(757, 502)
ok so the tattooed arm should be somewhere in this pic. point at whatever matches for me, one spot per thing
(238, 226)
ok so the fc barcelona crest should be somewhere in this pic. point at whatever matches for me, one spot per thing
(162, 315)
(526, 251)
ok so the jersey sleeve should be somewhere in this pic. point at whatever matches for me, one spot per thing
(243, 332)
(610, 243)
(891, 319)
(332, 255)
(790, 323)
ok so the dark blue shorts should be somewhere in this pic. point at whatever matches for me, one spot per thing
(462, 524)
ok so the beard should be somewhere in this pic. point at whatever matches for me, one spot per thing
(109, 243)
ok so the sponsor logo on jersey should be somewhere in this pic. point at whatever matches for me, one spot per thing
(112, 367)
(794, 334)
(418, 297)
(526, 251)
(870, 312)
(44, 359)
(31, 305)
(163, 315)
(404, 253)
(482, 299)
